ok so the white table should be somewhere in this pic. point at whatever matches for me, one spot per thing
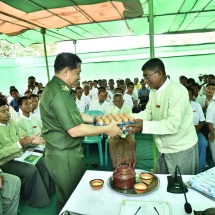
(106, 201)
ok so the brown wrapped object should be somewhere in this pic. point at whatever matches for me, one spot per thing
(120, 148)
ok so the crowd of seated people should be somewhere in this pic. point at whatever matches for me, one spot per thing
(92, 95)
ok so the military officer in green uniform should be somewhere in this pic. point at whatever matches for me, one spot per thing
(64, 127)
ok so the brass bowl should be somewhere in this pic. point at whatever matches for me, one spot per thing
(96, 184)
(146, 178)
(140, 187)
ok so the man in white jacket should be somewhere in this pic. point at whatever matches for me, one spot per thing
(168, 115)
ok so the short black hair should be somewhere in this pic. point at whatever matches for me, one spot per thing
(197, 85)
(78, 88)
(190, 89)
(130, 83)
(117, 95)
(118, 88)
(31, 77)
(39, 92)
(13, 89)
(3, 102)
(33, 96)
(190, 80)
(64, 60)
(210, 84)
(153, 64)
(20, 100)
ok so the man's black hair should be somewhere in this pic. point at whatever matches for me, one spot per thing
(118, 88)
(154, 64)
(21, 99)
(190, 80)
(190, 89)
(197, 85)
(210, 84)
(14, 89)
(33, 96)
(3, 102)
(130, 83)
(64, 60)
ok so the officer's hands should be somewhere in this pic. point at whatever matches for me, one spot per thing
(114, 130)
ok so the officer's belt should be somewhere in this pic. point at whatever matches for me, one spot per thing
(50, 147)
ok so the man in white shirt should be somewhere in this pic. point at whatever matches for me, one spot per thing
(81, 97)
(119, 107)
(100, 103)
(127, 98)
(207, 80)
(168, 115)
(31, 85)
(199, 122)
(208, 98)
(210, 119)
(94, 91)
(200, 79)
(35, 107)
(81, 106)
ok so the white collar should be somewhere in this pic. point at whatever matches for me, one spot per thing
(163, 86)
(28, 118)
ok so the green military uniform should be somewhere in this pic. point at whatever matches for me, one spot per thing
(63, 153)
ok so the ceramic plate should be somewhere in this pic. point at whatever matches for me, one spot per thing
(130, 192)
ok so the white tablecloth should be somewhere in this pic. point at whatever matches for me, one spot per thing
(106, 201)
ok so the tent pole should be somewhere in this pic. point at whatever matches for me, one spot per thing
(74, 42)
(43, 32)
(151, 29)
(152, 55)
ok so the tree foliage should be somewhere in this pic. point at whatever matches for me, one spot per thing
(16, 50)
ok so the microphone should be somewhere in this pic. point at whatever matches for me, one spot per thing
(176, 185)
(187, 206)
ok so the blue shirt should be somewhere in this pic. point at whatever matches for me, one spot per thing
(140, 94)
(15, 105)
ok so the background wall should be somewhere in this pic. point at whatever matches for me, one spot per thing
(15, 71)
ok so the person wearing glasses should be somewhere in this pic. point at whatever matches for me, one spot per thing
(169, 117)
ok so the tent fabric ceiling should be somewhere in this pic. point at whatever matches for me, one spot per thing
(21, 21)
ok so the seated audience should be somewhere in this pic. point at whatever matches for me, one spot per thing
(199, 122)
(30, 124)
(208, 98)
(28, 93)
(207, 80)
(143, 95)
(32, 85)
(35, 107)
(118, 106)
(13, 114)
(110, 86)
(134, 96)
(14, 103)
(9, 193)
(196, 87)
(137, 86)
(210, 119)
(127, 98)
(80, 105)
(183, 80)
(36, 183)
(81, 97)
(100, 103)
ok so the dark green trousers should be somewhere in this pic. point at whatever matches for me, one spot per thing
(66, 167)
